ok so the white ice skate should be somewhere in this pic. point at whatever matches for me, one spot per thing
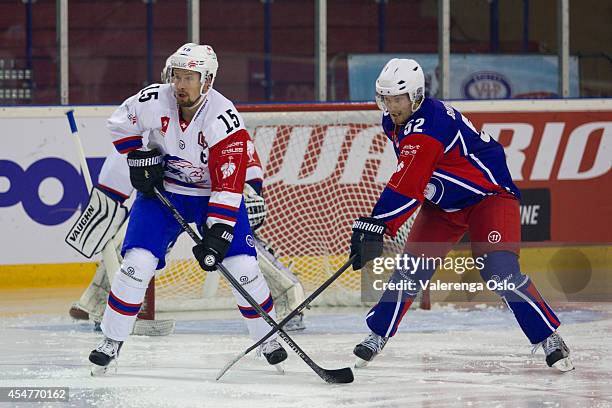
(106, 352)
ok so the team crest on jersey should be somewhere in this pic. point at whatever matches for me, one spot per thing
(228, 168)
(165, 121)
(132, 118)
(184, 170)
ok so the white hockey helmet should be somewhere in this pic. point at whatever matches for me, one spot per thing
(401, 76)
(166, 74)
(198, 58)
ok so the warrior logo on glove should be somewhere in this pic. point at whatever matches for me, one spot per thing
(367, 240)
(146, 170)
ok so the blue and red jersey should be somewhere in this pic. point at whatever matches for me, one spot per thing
(441, 158)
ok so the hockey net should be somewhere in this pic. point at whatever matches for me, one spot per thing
(324, 165)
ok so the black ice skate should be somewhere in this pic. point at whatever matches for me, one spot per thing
(106, 352)
(557, 353)
(274, 353)
(368, 349)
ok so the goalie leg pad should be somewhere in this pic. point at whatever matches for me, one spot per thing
(93, 300)
(127, 293)
(246, 271)
(286, 289)
(98, 223)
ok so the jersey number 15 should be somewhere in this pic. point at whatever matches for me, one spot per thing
(233, 118)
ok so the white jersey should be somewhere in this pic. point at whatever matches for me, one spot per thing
(207, 157)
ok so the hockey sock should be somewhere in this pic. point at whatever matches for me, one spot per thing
(127, 293)
(533, 314)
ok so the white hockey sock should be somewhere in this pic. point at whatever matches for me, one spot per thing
(246, 271)
(127, 293)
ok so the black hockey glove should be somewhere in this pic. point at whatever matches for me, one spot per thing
(146, 170)
(214, 246)
(367, 240)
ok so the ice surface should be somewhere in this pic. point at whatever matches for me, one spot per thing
(446, 357)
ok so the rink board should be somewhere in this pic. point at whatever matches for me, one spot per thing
(561, 273)
(560, 145)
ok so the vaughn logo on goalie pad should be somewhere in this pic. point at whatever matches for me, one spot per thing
(81, 223)
(99, 222)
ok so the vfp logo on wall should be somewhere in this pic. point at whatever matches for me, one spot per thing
(486, 85)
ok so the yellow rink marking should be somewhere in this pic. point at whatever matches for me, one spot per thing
(534, 261)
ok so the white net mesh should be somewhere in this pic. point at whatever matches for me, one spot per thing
(322, 170)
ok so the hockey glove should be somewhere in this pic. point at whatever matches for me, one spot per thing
(367, 240)
(214, 246)
(255, 205)
(146, 170)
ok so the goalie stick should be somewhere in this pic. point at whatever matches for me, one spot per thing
(108, 253)
(290, 316)
(339, 376)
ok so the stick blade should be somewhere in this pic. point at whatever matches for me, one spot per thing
(339, 376)
(229, 365)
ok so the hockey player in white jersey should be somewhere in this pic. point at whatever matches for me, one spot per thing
(188, 139)
(114, 188)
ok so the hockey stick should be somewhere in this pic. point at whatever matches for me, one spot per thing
(339, 376)
(290, 316)
(109, 254)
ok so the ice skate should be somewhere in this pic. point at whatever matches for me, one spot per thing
(106, 352)
(296, 323)
(557, 353)
(274, 353)
(369, 348)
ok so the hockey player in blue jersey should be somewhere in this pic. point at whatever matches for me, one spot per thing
(459, 178)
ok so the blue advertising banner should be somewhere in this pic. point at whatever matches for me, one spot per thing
(472, 76)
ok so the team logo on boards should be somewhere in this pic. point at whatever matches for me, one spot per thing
(486, 85)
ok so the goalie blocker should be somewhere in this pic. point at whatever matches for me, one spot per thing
(98, 223)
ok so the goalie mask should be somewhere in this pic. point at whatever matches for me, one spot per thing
(197, 58)
(398, 77)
